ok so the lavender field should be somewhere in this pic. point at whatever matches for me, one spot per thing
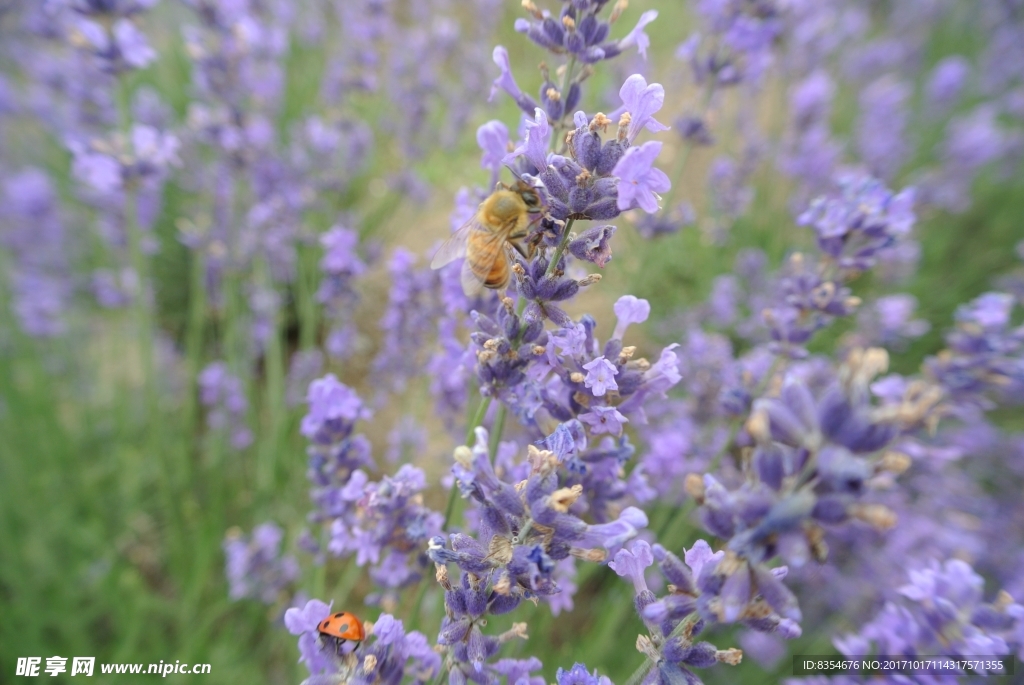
(486, 341)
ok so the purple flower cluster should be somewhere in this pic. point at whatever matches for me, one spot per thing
(341, 266)
(33, 232)
(673, 622)
(985, 354)
(223, 394)
(860, 221)
(255, 567)
(522, 532)
(941, 611)
(383, 523)
(410, 313)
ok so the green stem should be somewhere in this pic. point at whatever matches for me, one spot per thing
(414, 615)
(320, 572)
(308, 311)
(273, 392)
(380, 215)
(496, 431)
(561, 246)
(145, 319)
(194, 354)
(478, 419)
(347, 581)
(566, 81)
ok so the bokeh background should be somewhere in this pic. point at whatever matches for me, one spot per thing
(119, 482)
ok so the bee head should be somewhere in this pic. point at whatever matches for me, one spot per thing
(530, 196)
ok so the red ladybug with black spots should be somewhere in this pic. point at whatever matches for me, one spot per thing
(340, 628)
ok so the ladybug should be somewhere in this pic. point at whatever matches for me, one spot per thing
(340, 628)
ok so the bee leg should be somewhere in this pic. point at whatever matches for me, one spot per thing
(520, 250)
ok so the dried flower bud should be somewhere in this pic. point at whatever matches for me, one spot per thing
(518, 630)
(894, 462)
(503, 586)
(758, 426)
(592, 555)
(645, 646)
(563, 498)
(617, 11)
(731, 656)
(694, 487)
(464, 456)
(600, 122)
(441, 575)
(533, 9)
(877, 516)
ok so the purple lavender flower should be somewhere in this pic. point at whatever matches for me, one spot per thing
(600, 376)
(947, 80)
(535, 145)
(593, 245)
(493, 139)
(333, 406)
(670, 647)
(256, 568)
(861, 221)
(629, 310)
(642, 101)
(33, 232)
(882, 131)
(579, 675)
(945, 615)
(223, 394)
(385, 524)
(507, 82)
(637, 36)
(584, 37)
(889, 322)
(411, 309)
(984, 356)
(303, 622)
(604, 420)
(639, 181)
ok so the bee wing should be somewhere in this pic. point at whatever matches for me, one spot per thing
(455, 247)
(472, 285)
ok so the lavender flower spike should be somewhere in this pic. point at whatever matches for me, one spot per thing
(639, 181)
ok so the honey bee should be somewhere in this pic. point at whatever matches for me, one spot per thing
(485, 240)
